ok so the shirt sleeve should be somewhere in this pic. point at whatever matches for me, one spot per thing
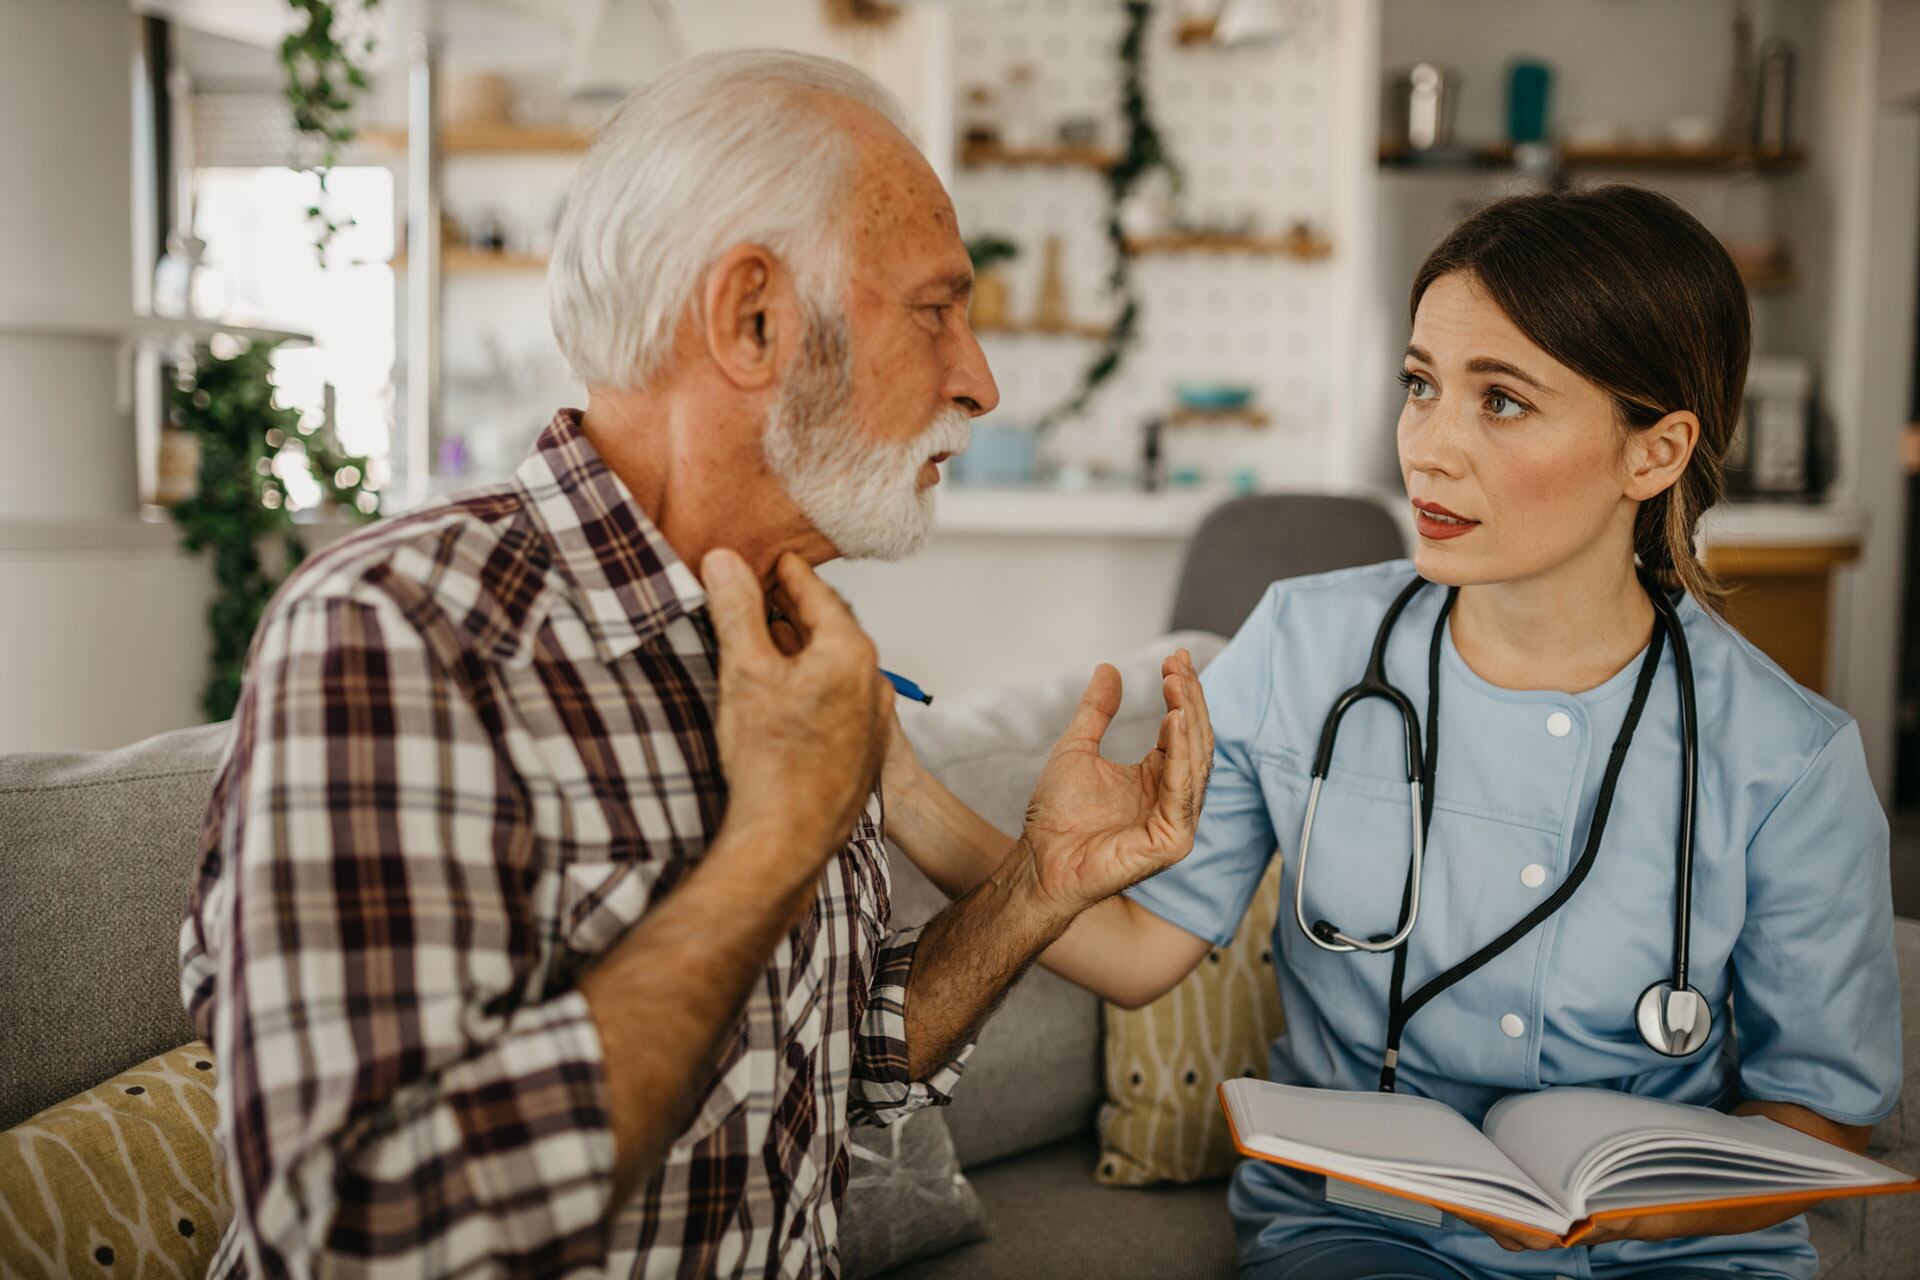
(883, 1088)
(1816, 985)
(398, 1098)
(1208, 891)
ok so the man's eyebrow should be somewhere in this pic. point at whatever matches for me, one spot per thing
(959, 284)
(1487, 364)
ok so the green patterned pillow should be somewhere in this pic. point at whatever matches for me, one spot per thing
(1162, 1121)
(125, 1179)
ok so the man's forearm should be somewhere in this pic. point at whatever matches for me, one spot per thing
(970, 954)
(666, 994)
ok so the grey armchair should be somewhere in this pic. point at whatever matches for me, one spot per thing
(1248, 543)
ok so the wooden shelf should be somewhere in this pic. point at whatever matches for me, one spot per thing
(1244, 416)
(1684, 159)
(489, 139)
(1664, 157)
(1018, 329)
(1303, 248)
(480, 262)
(986, 155)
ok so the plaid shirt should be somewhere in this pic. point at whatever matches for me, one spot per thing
(476, 744)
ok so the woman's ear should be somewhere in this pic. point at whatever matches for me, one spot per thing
(1657, 456)
(749, 315)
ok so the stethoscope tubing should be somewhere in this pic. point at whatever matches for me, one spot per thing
(1671, 1038)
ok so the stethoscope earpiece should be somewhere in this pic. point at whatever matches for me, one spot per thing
(1673, 1022)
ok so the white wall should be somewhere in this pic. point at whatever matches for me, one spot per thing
(100, 646)
(101, 638)
(1869, 170)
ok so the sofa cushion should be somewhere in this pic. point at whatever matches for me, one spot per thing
(125, 1179)
(906, 1197)
(1035, 1077)
(97, 856)
(1047, 1219)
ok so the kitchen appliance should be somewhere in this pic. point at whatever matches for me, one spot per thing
(1771, 454)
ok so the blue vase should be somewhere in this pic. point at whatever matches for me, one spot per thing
(1001, 456)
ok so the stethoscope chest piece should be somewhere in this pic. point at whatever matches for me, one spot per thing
(1673, 1022)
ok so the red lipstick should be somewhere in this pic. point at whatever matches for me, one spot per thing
(1439, 524)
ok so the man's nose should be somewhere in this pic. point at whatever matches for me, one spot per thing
(970, 383)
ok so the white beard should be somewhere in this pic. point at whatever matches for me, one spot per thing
(862, 494)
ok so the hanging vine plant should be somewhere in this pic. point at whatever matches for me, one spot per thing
(240, 515)
(326, 68)
(1142, 153)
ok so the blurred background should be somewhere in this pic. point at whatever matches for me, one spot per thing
(272, 267)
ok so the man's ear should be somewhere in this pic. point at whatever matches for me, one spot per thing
(750, 315)
(1658, 455)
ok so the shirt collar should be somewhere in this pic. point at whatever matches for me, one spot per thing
(631, 585)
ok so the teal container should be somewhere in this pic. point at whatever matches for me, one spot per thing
(1529, 99)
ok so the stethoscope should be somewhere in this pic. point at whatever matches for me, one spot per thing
(1671, 1015)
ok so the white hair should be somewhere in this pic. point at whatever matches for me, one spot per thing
(719, 149)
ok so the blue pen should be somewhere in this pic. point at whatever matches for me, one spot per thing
(907, 688)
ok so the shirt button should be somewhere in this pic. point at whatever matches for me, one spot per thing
(1513, 1026)
(1559, 724)
(1533, 875)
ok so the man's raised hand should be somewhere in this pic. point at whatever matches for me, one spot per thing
(1095, 827)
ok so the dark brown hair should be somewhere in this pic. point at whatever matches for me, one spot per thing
(1628, 290)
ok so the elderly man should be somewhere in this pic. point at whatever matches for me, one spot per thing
(542, 925)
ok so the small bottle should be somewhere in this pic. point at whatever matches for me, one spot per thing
(1050, 315)
(1020, 115)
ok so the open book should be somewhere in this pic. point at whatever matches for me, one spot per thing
(1550, 1163)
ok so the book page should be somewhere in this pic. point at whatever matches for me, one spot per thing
(1416, 1145)
(1577, 1143)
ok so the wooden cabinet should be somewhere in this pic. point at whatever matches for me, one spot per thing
(1780, 596)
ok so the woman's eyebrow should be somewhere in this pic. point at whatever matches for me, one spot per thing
(1487, 364)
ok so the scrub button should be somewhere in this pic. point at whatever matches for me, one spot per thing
(1533, 875)
(1512, 1025)
(1559, 724)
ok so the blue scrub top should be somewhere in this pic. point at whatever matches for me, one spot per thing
(1792, 936)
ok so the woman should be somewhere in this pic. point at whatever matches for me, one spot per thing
(1575, 368)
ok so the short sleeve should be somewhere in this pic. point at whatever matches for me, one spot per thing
(1816, 982)
(1208, 891)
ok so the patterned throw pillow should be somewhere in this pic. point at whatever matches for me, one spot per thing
(125, 1179)
(1162, 1121)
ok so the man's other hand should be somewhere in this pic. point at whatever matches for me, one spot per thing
(801, 732)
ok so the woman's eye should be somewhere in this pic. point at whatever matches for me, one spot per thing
(1502, 405)
(1418, 388)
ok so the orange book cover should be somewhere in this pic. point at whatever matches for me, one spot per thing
(1584, 1226)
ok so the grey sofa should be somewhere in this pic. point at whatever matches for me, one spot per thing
(96, 851)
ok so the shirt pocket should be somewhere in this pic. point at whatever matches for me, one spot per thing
(1361, 848)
